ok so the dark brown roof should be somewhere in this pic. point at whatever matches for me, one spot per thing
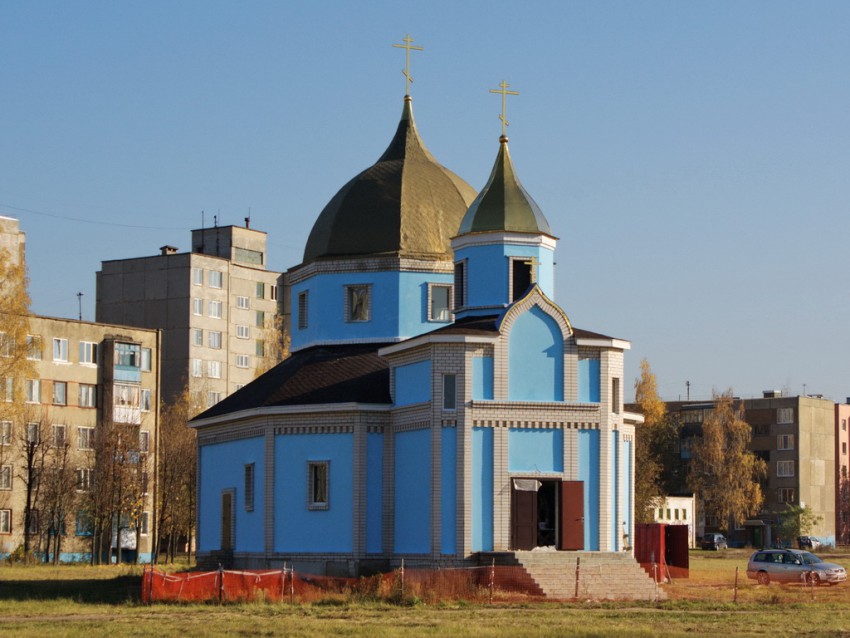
(481, 325)
(321, 374)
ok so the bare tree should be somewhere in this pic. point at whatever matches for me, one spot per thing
(58, 493)
(32, 450)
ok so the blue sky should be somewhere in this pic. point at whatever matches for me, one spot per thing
(691, 156)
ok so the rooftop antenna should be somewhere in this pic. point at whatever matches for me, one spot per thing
(688, 386)
(248, 219)
(80, 304)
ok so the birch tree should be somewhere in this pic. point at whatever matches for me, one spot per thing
(648, 491)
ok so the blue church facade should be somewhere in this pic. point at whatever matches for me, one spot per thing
(437, 402)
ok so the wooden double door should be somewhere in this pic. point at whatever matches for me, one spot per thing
(547, 513)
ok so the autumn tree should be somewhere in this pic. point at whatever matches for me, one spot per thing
(844, 507)
(273, 347)
(795, 521)
(648, 491)
(724, 475)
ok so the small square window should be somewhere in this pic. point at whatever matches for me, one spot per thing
(60, 350)
(785, 415)
(785, 442)
(60, 393)
(59, 436)
(33, 433)
(198, 307)
(213, 398)
(784, 469)
(318, 474)
(439, 303)
(242, 360)
(215, 309)
(88, 396)
(197, 368)
(243, 302)
(214, 339)
(88, 353)
(85, 438)
(243, 332)
(358, 303)
(214, 369)
(215, 279)
(198, 336)
(198, 276)
(34, 347)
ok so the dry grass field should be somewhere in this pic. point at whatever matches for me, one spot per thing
(99, 601)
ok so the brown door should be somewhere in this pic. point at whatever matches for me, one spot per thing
(523, 518)
(226, 521)
(572, 515)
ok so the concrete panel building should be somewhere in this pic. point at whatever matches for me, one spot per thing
(842, 472)
(218, 307)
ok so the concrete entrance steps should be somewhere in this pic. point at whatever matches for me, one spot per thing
(602, 575)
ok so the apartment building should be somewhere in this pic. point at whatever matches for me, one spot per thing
(842, 472)
(86, 420)
(218, 307)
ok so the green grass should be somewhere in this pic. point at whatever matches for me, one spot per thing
(98, 601)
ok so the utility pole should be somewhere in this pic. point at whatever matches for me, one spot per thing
(80, 304)
(688, 386)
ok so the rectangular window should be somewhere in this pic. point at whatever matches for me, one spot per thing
(6, 477)
(260, 348)
(58, 436)
(439, 304)
(214, 369)
(128, 355)
(145, 481)
(684, 515)
(88, 396)
(242, 360)
(785, 415)
(7, 388)
(215, 279)
(784, 468)
(197, 276)
(844, 448)
(60, 349)
(197, 368)
(215, 309)
(214, 339)
(5, 432)
(261, 319)
(198, 307)
(273, 291)
(785, 442)
(249, 487)
(261, 290)
(85, 438)
(243, 302)
(197, 336)
(145, 524)
(147, 355)
(213, 398)
(60, 393)
(302, 310)
(358, 303)
(88, 352)
(5, 521)
(7, 345)
(82, 524)
(785, 495)
(243, 332)
(449, 391)
(460, 284)
(33, 433)
(317, 485)
(34, 347)
(615, 396)
(146, 400)
(144, 441)
(85, 479)
(843, 425)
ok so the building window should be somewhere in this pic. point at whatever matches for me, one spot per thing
(60, 393)
(449, 391)
(58, 436)
(85, 479)
(249, 487)
(784, 468)
(60, 349)
(5, 521)
(843, 425)
(213, 398)
(144, 441)
(615, 396)
(261, 290)
(146, 400)
(145, 524)
(33, 390)
(785, 495)
(6, 477)
(85, 438)
(439, 302)
(146, 359)
(82, 524)
(785, 415)
(33, 433)
(317, 485)
(243, 332)
(243, 302)
(215, 309)
(521, 275)
(273, 291)
(302, 309)
(214, 339)
(214, 369)
(197, 368)
(260, 348)
(261, 319)
(7, 388)
(88, 396)
(844, 447)
(198, 336)
(785, 442)
(88, 352)
(215, 279)
(357, 303)
(242, 360)
(460, 284)
(128, 355)
(198, 276)
(198, 307)
(34, 347)
(5, 432)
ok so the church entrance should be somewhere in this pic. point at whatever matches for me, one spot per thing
(547, 513)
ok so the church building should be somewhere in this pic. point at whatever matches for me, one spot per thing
(437, 404)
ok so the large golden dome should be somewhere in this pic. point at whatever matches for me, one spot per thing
(406, 204)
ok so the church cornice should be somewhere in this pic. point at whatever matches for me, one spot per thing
(504, 237)
(300, 273)
(285, 410)
(424, 340)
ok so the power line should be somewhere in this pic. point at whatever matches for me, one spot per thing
(90, 221)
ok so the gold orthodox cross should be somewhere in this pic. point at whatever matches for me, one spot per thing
(503, 89)
(409, 47)
(532, 268)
